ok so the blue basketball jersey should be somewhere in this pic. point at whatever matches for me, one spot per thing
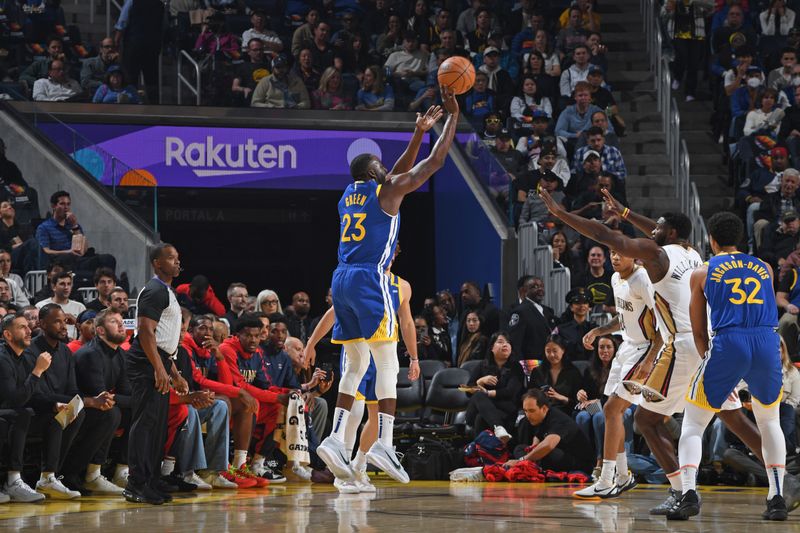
(367, 235)
(739, 292)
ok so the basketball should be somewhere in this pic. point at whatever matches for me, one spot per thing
(457, 73)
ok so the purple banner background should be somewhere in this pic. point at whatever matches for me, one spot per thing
(183, 156)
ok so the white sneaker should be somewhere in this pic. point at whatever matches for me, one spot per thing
(676, 85)
(362, 482)
(101, 485)
(345, 487)
(197, 480)
(19, 491)
(303, 472)
(333, 452)
(385, 459)
(501, 433)
(56, 490)
(596, 491)
(121, 478)
(218, 482)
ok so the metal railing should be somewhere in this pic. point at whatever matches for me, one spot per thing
(677, 151)
(536, 259)
(194, 87)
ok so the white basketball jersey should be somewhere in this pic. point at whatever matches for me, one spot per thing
(634, 300)
(672, 293)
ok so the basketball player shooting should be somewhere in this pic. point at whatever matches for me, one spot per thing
(369, 213)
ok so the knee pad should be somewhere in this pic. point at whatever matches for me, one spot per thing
(387, 367)
(356, 364)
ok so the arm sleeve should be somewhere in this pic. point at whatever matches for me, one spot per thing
(122, 21)
(152, 302)
(122, 389)
(212, 302)
(513, 387)
(218, 387)
(10, 394)
(261, 395)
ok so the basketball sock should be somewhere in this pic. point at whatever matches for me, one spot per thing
(167, 466)
(622, 467)
(773, 445)
(258, 463)
(385, 429)
(92, 472)
(690, 446)
(360, 462)
(13, 476)
(46, 475)
(351, 429)
(239, 458)
(607, 473)
(340, 419)
(675, 480)
(688, 478)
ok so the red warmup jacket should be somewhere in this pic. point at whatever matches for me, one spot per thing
(225, 384)
(210, 299)
(231, 348)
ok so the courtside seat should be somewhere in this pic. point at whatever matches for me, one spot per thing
(443, 396)
(470, 366)
(410, 398)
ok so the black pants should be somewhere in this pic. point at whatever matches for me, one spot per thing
(561, 462)
(142, 57)
(93, 441)
(14, 425)
(492, 412)
(148, 432)
(688, 58)
(56, 441)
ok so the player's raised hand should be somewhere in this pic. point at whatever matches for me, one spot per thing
(554, 207)
(431, 117)
(449, 100)
(612, 204)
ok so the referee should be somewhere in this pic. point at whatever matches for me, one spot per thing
(158, 320)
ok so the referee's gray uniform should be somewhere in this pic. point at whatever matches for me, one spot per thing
(150, 408)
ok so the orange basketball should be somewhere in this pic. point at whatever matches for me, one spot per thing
(457, 73)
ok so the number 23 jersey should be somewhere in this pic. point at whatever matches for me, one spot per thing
(367, 235)
(739, 292)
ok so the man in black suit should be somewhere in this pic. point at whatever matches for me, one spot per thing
(528, 324)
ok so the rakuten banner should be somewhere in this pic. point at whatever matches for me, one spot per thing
(180, 156)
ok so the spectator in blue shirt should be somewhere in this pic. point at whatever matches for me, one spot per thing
(375, 94)
(577, 118)
(55, 236)
(277, 361)
(610, 156)
(480, 100)
(114, 90)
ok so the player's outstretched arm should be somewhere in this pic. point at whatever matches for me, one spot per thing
(324, 325)
(398, 185)
(644, 249)
(697, 310)
(423, 124)
(642, 223)
(408, 330)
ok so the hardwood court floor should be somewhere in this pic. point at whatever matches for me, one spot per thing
(438, 507)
